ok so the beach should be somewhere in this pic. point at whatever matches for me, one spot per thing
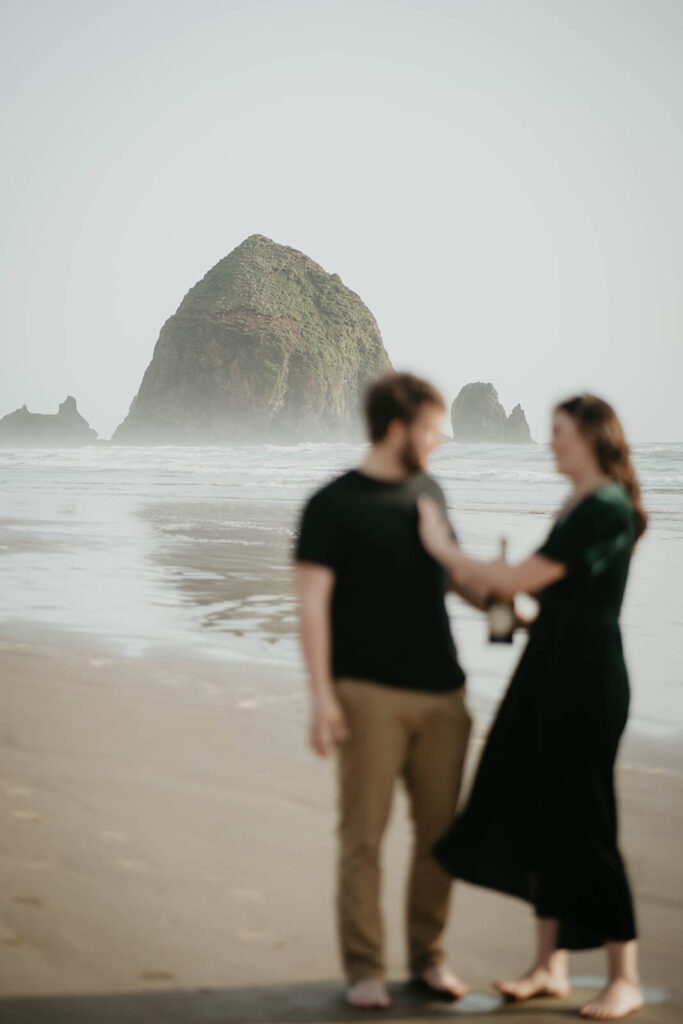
(264, 259)
(167, 853)
(168, 842)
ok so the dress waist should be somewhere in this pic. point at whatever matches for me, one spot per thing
(578, 611)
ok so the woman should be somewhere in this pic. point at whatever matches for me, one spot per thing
(541, 821)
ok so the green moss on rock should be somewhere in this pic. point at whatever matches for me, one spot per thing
(266, 347)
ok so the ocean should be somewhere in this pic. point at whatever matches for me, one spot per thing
(190, 548)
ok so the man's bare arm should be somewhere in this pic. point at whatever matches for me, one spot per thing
(315, 584)
(477, 598)
(533, 574)
(474, 596)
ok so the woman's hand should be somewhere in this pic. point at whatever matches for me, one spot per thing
(435, 532)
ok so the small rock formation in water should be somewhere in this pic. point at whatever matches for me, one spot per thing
(266, 347)
(64, 429)
(516, 427)
(477, 415)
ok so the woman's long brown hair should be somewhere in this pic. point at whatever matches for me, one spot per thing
(600, 425)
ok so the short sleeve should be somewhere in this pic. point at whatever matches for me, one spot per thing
(437, 494)
(318, 536)
(591, 537)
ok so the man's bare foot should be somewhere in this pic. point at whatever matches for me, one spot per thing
(441, 979)
(539, 981)
(616, 1000)
(368, 993)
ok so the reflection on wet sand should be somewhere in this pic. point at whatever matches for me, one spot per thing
(231, 561)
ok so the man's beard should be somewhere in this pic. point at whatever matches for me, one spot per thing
(409, 458)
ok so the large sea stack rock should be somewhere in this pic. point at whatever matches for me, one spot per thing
(478, 416)
(266, 347)
(64, 429)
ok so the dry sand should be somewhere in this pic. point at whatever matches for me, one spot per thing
(167, 854)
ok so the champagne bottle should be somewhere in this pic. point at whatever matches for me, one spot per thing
(500, 612)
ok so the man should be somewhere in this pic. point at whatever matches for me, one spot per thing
(386, 688)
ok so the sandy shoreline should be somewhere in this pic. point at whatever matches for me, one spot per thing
(167, 852)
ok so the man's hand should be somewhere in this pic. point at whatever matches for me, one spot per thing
(328, 725)
(315, 584)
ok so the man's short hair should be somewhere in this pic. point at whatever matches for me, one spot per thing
(397, 396)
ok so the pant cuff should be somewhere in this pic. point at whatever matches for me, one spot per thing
(423, 963)
(364, 974)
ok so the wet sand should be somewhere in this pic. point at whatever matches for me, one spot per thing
(167, 854)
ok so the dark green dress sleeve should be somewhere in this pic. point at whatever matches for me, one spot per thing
(594, 533)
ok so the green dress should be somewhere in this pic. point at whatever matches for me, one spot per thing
(541, 820)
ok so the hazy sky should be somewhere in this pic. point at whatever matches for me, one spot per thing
(501, 181)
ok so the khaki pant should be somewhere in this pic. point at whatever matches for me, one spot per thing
(422, 738)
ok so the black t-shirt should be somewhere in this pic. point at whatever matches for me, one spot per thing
(389, 619)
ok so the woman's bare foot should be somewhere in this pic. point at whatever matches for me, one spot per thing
(616, 1000)
(368, 993)
(441, 979)
(539, 981)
